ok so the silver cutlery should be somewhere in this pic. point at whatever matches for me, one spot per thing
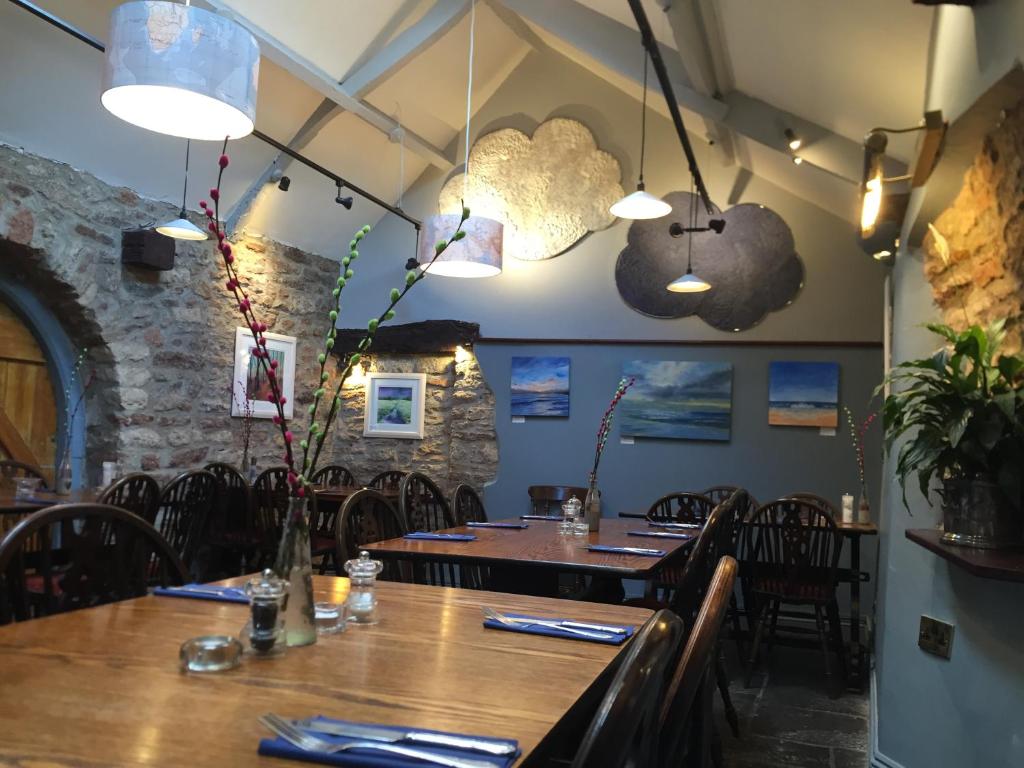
(627, 550)
(390, 735)
(512, 621)
(309, 743)
(218, 591)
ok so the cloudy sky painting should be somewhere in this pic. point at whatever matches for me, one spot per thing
(803, 394)
(678, 400)
(540, 386)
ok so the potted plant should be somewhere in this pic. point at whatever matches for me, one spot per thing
(962, 412)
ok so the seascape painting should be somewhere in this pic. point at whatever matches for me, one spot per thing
(540, 386)
(677, 400)
(803, 394)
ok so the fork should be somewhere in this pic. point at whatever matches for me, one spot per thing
(309, 743)
(508, 621)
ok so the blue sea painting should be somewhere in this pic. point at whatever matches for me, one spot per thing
(678, 400)
(803, 394)
(540, 386)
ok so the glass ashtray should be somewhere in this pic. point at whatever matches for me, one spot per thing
(330, 617)
(210, 653)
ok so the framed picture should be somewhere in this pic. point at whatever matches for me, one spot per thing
(678, 400)
(251, 387)
(394, 405)
(540, 386)
(803, 394)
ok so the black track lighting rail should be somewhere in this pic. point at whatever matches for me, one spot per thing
(339, 181)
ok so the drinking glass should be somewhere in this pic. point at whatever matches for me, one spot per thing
(330, 617)
(26, 487)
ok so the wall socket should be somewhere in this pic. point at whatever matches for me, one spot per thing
(935, 637)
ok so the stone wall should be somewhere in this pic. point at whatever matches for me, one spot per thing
(976, 265)
(162, 343)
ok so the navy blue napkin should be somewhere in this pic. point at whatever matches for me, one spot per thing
(557, 518)
(47, 502)
(440, 536)
(205, 592)
(497, 525)
(678, 526)
(663, 534)
(540, 629)
(644, 551)
(278, 747)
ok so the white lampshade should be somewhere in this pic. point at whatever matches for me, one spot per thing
(181, 70)
(182, 229)
(478, 254)
(688, 283)
(640, 205)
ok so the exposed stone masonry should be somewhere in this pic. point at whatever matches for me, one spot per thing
(162, 343)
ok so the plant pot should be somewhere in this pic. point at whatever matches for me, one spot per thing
(976, 513)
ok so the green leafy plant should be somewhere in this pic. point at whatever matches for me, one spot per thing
(962, 411)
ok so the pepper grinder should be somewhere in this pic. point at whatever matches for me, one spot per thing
(263, 634)
(362, 597)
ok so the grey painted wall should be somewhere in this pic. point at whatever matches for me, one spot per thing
(965, 711)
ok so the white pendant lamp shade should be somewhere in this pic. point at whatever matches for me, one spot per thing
(181, 70)
(641, 205)
(182, 229)
(688, 283)
(478, 254)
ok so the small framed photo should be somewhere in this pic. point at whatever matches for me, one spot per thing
(394, 405)
(251, 387)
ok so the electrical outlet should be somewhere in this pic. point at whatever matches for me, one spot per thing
(935, 637)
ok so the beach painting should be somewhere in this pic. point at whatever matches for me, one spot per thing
(803, 394)
(540, 386)
(677, 400)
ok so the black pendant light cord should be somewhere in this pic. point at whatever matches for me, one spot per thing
(184, 194)
(643, 127)
(693, 225)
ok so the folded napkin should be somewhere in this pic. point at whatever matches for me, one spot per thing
(557, 518)
(663, 534)
(50, 502)
(497, 525)
(205, 592)
(440, 536)
(641, 551)
(549, 631)
(278, 747)
(681, 526)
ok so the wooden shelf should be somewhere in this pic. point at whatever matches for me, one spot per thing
(999, 564)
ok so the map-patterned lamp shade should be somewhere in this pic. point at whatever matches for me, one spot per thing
(181, 70)
(478, 254)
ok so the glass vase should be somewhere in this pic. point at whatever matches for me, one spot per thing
(863, 509)
(295, 565)
(592, 508)
(62, 478)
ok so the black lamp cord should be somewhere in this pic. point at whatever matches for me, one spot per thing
(693, 225)
(184, 194)
(643, 126)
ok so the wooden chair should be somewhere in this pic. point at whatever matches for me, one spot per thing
(11, 470)
(624, 731)
(681, 507)
(685, 721)
(105, 554)
(424, 508)
(334, 476)
(792, 549)
(365, 517)
(186, 503)
(270, 494)
(388, 480)
(467, 506)
(138, 492)
(232, 529)
(548, 499)
(821, 501)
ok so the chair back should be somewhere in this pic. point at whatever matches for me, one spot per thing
(467, 506)
(270, 501)
(235, 513)
(683, 697)
(624, 731)
(11, 469)
(186, 504)
(422, 505)
(334, 476)
(79, 555)
(548, 499)
(365, 517)
(388, 480)
(821, 501)
(681, 507)
(138, 492)
(719, 493)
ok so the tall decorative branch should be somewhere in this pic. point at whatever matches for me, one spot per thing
(857, 434)
(245, 409)
(606, 425)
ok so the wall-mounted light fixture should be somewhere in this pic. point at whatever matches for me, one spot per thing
(689, 282)
(792, 140)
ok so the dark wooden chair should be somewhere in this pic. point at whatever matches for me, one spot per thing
(232, 530)
(138, 492)
(388, 480)
(270, 494)
(821, 501)
(424, 508)
(186, 504)
(624, 731)
(365, 517)
(11, 470)
(685, 720)
(334, 476)
(467, 506)
(681, 507)
(791, 552)
(104, 554)
(548, 499)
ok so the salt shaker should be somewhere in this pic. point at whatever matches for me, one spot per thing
(263, 634)
(570, 514)
(362, 598)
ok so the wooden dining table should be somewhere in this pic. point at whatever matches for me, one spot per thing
(103, 686)
(337, 494)
(10, 504)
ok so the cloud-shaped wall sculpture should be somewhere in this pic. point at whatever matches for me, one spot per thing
(753, 266)
(549, 191)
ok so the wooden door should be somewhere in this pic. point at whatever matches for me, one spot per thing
(28, 411)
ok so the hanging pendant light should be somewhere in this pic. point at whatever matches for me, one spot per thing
(641, 204)
(181, 70)
(689, 283)
(181, 228)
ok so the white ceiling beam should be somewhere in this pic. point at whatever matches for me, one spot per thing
(517, 26)
(306, 71)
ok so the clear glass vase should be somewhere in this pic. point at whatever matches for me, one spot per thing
(295, 565)
(62, 479)
(592, 508)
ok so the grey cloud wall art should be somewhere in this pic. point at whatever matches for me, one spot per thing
(753, 266)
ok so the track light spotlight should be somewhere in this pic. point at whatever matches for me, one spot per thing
(797, 160)
(345, 201)
(794, 141)
(284, 183)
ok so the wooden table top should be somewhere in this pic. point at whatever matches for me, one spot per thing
(339, 493)
(542, 545)
(43, 499)
(102, 686)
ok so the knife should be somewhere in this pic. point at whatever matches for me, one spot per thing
(633, 550)
(556, 623)
(690, 526)
(218, 591)
(390, 735)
